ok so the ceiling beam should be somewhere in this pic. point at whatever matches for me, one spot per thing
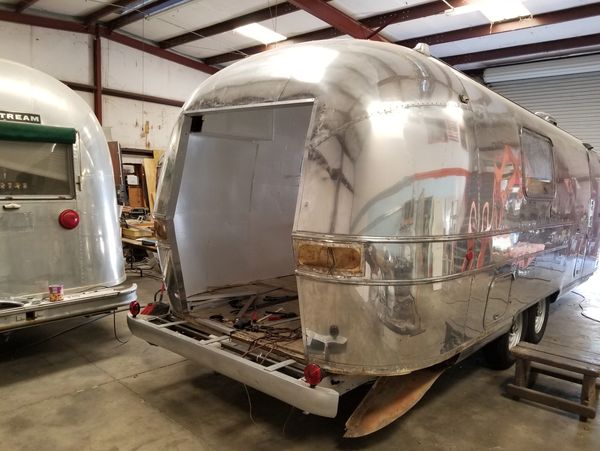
(123, 94)
(155, 7)
(157, 51)
(77, 27)
(374, 22)
(338, 19)
(550, 18)
(523, 50)
(112, 7)
(228, 25)
(24, 4)
(42, 21)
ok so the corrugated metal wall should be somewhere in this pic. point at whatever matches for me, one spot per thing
(573, 100)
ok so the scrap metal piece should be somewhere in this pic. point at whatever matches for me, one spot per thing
(389, 399)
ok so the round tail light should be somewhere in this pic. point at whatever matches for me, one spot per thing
(312, 374)
(134, 308)
(69, 219)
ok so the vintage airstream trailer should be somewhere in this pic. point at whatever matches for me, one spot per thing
(415, 214)
(58, 212)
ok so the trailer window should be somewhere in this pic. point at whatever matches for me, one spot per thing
(538, 168)
(35, 169)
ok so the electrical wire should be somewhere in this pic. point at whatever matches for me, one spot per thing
(249, 404)
(114, 313)
(582, 309)
(289, 416)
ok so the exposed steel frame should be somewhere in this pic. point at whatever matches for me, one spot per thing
(338, 19)
(78, 27)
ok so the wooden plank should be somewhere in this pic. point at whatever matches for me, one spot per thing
(150, 173)
(564, 351)
(550, 400)
(556, 361)
(559, 373)
(522, 372)
(138, 244)
(588, 394)
(115, 158)
(136, 198)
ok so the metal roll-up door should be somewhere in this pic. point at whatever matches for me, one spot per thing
(573, 100)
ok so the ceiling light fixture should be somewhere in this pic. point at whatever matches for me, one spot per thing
(260, 33)
(494, 10)
(133, 7)
(153, 10)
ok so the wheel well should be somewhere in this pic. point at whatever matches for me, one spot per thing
(553, 297)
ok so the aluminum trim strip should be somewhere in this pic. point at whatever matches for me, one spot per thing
(250, 106)
(420, 239)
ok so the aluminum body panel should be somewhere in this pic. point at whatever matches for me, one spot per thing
(239, 188)
(423, 168)
(35, 250)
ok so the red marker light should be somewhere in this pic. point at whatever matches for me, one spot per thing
(134, 308)
(69, 219)
(313, 374)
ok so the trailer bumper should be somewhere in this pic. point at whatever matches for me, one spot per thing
(211, 352)
(34, 312)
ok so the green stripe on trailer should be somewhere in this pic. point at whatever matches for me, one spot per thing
(16, 131)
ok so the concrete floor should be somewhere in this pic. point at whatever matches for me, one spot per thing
(85, 390)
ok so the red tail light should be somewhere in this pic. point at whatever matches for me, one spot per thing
(312, 374)
(134, 308)
(69, 219)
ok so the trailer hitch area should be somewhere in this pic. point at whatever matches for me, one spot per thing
(331, 343)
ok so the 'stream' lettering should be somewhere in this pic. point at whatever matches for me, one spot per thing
(13, 116)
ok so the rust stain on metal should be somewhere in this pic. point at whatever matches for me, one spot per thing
(389, 399)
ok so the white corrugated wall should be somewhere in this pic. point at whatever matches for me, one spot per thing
(573, 100)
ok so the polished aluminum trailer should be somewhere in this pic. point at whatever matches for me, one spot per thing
(58, 211)
(420, 215)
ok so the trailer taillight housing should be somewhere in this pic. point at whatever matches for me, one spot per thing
(134, 308)
(330, 258)
(313, 374)
(68, 219)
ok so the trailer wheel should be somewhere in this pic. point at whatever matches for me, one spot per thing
(537, 320)
(497, 353)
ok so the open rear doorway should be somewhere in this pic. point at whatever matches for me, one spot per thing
(238, 195)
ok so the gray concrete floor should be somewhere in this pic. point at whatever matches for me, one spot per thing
(85, 390)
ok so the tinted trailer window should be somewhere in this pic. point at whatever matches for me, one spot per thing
(33, 169)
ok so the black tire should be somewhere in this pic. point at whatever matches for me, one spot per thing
(537, 319)
(497, 353)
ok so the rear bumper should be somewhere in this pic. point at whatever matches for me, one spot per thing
(210, 353)
(77, 304)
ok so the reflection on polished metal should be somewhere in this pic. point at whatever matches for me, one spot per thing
(424, 210)
(51, 178)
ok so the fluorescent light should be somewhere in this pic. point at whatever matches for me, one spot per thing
(494, 10)
(260, 33)
(153, 10)
(133, 6)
